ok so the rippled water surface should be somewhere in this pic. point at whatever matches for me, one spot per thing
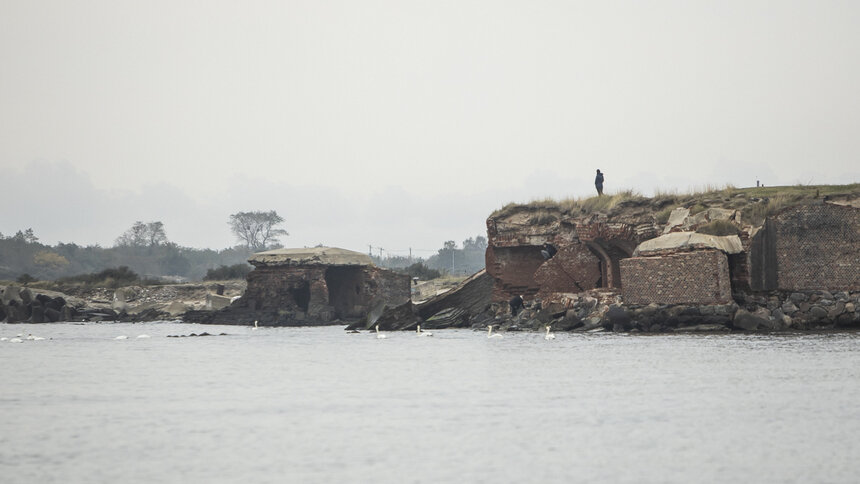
(321, 405)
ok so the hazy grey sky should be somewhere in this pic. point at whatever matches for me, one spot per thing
(403, 123)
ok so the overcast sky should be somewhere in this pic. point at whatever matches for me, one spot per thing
(405, 123)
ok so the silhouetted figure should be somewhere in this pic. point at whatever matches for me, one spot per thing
(598, 183)
(548, 251)
(517, 303)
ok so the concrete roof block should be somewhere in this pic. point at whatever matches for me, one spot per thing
(314, 256)
(730, 244)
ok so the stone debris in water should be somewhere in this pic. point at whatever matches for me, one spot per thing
(194, 335)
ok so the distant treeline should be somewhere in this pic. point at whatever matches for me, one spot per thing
(450, 259)
(23, 256)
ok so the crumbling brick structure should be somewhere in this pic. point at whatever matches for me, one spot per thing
(320, 285)
(589, 250)
(807, 247)
(694, 277)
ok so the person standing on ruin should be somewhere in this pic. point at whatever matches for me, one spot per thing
(598, 183)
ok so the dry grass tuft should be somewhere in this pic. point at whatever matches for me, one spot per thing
(718, 227)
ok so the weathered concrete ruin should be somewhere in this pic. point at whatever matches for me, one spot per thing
(622, 269)
(315, 286)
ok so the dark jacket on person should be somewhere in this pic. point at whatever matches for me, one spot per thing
(548, 251)
(598, 180)
(516, 303)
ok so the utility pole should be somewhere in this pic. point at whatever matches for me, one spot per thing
(370, 250)
(410, 254)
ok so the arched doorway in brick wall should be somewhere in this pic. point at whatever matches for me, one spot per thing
(610, 252)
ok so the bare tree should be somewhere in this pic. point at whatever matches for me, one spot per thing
(143, 235)
(155, 234)
(257, 230)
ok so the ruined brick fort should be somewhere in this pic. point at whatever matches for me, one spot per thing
(802, 257)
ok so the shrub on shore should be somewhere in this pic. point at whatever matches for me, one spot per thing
(224, 273)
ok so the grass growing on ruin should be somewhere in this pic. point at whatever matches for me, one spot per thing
(755, 203)
(718, 227)
(547, 208)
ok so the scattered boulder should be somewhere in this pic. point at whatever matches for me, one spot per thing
(745, 320)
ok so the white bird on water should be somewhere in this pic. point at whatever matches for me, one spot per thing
(422, 333)
(142, 336)
(549, 335)
(121, 337)
(30, 337)
(490, 332)
(256, 327)
(378, 334)
(16, 340)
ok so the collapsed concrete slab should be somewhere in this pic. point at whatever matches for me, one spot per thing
(682, 241)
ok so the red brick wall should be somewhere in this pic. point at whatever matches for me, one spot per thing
(573, 269)
(697, 277)
(818, 247)
(513, 269)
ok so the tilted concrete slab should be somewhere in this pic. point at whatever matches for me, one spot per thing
(314, 256)
(730, 244)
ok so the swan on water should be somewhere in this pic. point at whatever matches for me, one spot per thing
(549, 335)
(16, 340)
(30, 337)
(378, 334)
(121, 337)
(142, 336)
(422, 333)
(490, 332)
(4, 339)
(256, 327)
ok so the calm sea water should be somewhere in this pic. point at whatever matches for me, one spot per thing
(321, 405)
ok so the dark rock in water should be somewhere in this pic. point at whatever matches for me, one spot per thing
(193, 335)
(37, 314)
(52, 315)
(67, 313)
(56, 303)
(550, 312)
(848, 320)
(817, 314)
(569, 322)
(43, 299)
(748, 321)
(618, 318)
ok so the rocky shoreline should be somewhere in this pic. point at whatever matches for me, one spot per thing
(471, 306)
(590, 311)
(126, 304)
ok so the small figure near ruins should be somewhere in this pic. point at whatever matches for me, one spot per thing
(548, 251)
(516, 303)
(598, 183)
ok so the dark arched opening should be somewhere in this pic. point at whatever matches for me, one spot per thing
(301, 295)
(345, 290)
(610, 254)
